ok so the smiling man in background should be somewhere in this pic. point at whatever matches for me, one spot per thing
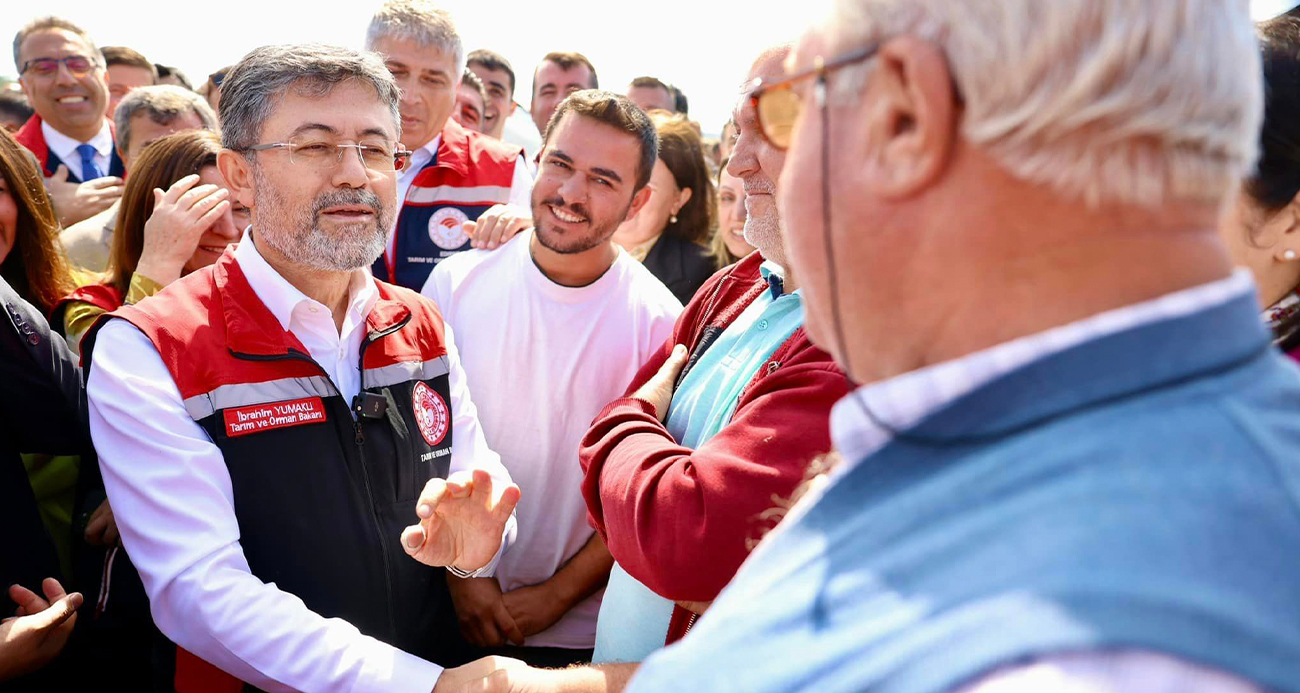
(455, 175)
(66, 82)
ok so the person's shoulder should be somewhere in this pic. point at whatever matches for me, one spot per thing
(452, 273)
(644, 288)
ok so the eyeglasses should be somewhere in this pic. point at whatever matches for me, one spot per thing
(777, 105)
(376, 155)
(78, 65)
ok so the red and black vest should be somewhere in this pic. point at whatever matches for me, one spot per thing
(321, 497)
(469, 174)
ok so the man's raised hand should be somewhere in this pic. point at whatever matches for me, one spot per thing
(461, 520)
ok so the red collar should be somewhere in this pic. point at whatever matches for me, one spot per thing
(31, 135)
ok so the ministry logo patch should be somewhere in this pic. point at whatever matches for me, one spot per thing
(431, 414)
(446, 228)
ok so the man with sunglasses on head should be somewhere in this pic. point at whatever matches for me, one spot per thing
(288, 444)
(66, 81)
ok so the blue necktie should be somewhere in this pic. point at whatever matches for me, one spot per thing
(89, 171)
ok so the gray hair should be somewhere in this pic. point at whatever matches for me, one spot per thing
(257, 84)
(48, 24)
(420, 21)
(1127, 101)
(163, 103)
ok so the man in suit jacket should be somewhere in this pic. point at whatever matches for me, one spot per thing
(42, 407)
(66, 81)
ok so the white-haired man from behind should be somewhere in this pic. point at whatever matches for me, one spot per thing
(1072, 464)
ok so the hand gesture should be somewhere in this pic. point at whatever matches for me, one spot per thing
(180, 216)
(39, 629)
(658, 390)
(461, 520)
(75, 202)
(481, 612)
(497, 225)
(474, 676)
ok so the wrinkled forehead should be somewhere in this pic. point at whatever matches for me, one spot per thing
(769, 67)
(350, 109)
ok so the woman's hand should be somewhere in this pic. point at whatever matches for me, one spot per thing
(180, 216)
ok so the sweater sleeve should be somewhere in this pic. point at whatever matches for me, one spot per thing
(682, 521)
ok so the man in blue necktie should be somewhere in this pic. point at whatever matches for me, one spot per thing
(65, 79)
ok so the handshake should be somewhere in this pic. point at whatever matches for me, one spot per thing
(506, 675)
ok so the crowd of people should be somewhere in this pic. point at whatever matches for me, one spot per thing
(964, 362)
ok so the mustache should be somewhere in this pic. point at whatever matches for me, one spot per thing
(756, 186)
(346, 197)
(579, 209)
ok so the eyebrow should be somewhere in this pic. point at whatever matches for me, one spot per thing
(373, 130)
(602, 172)
(391, 64)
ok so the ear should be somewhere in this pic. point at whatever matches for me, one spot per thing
(511, 111)
(1282, 232)
(238, 173)
(683, 196)
(911, 113)
(638, 201)
(27, 89)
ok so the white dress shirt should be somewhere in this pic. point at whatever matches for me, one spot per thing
(65, 148)
(905, 400)
(521, 186)
(172, 499)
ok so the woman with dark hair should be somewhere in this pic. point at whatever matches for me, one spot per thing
(670, 233)
(1262, 229)
(30, 257)
(160, 236)
(729, 245)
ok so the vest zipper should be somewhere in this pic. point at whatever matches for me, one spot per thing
(360, 440)
(365, 471)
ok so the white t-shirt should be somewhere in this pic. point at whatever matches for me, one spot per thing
(542, 360)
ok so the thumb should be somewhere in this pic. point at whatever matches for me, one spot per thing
(469, 227)
(157, 197)
(676, 361)
(60, 174)
(58, 612)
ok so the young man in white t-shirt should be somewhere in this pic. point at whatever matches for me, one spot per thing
(551, 328)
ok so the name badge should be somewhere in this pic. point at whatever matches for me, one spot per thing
(268, 417)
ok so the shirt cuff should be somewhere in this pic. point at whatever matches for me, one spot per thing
(388, 669)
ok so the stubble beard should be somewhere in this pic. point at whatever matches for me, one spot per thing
(764, 231)
(297, 236)
(599, 234)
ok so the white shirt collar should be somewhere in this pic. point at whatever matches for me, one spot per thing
(284, 299)
(423, 155)
(905, 400)
(66, 147)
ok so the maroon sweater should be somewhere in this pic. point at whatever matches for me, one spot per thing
(682, 521)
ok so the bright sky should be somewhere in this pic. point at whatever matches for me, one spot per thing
(703, 46)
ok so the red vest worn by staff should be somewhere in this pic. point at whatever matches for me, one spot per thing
(280, 422)
(469, 174)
